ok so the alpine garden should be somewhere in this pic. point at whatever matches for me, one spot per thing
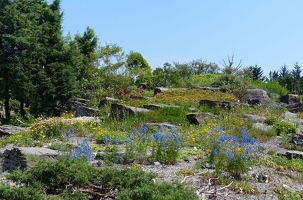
(156, 154)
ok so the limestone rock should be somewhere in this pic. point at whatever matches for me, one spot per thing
(293, 102)
(257, 96)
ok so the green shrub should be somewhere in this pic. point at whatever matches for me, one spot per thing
(19, 193)
(110, 136)
(203, 80)
(234, 84)
(270, 120)
(284, 128)
(271, 87)
(55, 175)
(160, 191)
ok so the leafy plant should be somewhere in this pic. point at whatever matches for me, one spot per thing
(283, 127)
(270, 120)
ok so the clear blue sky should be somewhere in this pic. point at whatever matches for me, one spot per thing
(268, 33)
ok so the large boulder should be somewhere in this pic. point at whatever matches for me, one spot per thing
(75, 103)
(159, 89)
(105, 100)
(118, 110)
(293, 102)
(85, 111)
(257, 96)
(198, 118)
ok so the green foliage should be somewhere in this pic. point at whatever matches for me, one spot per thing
(270, 120)
(55, 175)
(283, 127)
(282, 163)
(136, 60)
(160, 191)
(243, 186)
(19, 193)
(271, 87)
(203, 80)
(165, 150)
(285, 194)
(39, 67)
(172, 115)
(136, 147)
(111, 154)
(234, 84)
(58, 177)
(191, 97)
(109, 136)
(167, 76)
(257, 73)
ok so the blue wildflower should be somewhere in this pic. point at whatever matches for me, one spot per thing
(216, 152)
(144, 129)
(229, 154)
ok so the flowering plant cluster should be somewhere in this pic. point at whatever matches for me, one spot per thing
(166, 146)
(232, 154)
(83, 151)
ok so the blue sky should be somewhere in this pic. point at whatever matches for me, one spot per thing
(268, 33)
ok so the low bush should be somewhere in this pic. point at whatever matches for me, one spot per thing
(68, 178)
(283, 127)
(270, 120)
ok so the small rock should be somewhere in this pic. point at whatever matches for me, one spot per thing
(157, 163)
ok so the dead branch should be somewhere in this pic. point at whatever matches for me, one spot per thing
(191, 176)
(214, 192)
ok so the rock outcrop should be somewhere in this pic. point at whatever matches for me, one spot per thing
(293, 102)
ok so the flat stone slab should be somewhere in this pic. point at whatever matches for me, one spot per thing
(9, 129)
(163, 124)
(157, 106)
(294, 154)
(39, 151)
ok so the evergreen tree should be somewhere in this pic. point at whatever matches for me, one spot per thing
(37, 66)
(257, 72)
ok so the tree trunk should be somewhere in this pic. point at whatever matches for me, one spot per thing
(21, 107)
(6, 95)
